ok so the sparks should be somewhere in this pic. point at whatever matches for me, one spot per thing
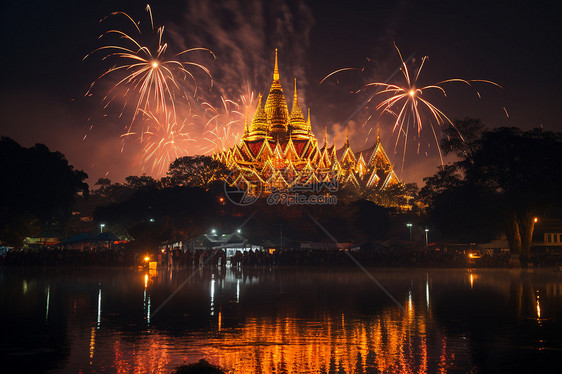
(163, 140)
(146, 77)
(406, 104)
(225, 124)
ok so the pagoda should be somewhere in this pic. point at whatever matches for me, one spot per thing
(279, 151)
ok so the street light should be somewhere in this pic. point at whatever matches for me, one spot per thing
(213, 231)
(151, 220)
(409, 225)
(239, 231)
(102, 225)
(426, 242)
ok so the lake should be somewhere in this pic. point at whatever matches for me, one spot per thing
(118, 320)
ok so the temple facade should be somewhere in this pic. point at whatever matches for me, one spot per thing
(278, 150)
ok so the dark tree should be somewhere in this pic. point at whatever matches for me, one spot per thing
(505, 176)
(38, 190)
(196, 171)
(115, 192)
(370, 220)
(398, 195)
(155, 215)
(462, 139)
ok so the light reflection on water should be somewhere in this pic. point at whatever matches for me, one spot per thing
(390, 342)
(286, 321)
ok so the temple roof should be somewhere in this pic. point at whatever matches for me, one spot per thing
(275, 105)
(297, 118)
(282, 149)
(260, 117)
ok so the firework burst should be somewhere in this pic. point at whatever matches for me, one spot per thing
(143, 69)
(163, 140)
(224, 124)
(407, 104)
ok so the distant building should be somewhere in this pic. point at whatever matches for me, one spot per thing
(547, 236)
(495, 247)
(229, 243)
(41, 241)
(91, 241)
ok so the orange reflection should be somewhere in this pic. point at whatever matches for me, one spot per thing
(392, 341)
(92, 343)
(538, 307)
(150, 358)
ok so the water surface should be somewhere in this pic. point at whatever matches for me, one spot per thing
(97, 320)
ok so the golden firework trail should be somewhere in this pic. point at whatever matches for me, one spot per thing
(406, 103)
(223, 127)
(144, 71)
(163, 140)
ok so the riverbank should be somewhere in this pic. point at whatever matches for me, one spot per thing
(280, 258)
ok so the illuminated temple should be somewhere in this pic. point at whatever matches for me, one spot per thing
(278, 150)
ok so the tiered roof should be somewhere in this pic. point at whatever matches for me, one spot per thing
(281, 150)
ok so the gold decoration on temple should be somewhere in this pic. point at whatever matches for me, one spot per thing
(281, 150)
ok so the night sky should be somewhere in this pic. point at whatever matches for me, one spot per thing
(515, 44)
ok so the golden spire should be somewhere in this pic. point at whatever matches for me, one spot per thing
(259, 122)
(276, 106)
(296, 113)
(378, 133)
(346, 137)
(276, 69)
(325, 135)
(297, 123)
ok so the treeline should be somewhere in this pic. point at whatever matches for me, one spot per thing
(38, 190)
(501, 181)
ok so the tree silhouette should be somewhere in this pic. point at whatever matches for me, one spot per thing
(195, 171)
(505, 176)
(37, 192)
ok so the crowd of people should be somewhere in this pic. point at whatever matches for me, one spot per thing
(367, 257)
(122, 256)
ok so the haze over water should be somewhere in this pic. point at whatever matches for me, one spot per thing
(65, 320)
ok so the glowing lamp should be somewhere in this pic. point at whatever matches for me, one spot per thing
(146, 259)
(470, 255)
(536, 219)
